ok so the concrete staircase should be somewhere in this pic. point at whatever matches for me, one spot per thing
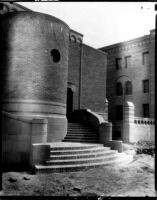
(81, 133)
(67, 156)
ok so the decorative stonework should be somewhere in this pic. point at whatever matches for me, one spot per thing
(127, 46)
(76, 37)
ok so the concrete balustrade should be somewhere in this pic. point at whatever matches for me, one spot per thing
(103, 128)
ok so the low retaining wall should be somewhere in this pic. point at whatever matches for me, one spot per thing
(142, 131)
(39, 153)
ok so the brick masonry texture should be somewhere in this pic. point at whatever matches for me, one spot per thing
(93, 76)
(137, 72)
(29, 71)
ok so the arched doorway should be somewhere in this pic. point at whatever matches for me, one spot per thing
(69, 104)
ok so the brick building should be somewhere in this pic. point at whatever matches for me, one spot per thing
(131, 77)
(51, 78)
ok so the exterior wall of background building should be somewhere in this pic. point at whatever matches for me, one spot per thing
(136, 73)
(90, 64)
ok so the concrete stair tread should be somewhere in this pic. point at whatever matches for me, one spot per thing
(103, 157)
(74, 145)
(81, 140)
(116, 161)
(83, 136)
(80, 150)
(94, 154)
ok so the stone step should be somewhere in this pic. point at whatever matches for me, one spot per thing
(77, 167)
(82, 140)
(81, 133)
(77, 146)
(84, 155)
(79, 151)
(103, 158)
(81, 136)
(82, 130)
(79, 127)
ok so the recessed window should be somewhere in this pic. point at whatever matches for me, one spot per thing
(145, 58)
(127, 61)
(55, 55)
(118, 63)
(119, 89)
(145, 86)
(145, 110)
(128, 88)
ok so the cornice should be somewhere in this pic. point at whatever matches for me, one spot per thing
(127, 46)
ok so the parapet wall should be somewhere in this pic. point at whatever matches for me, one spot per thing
(134, 128)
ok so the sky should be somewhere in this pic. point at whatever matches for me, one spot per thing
(102, 23)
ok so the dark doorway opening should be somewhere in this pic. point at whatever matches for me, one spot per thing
(69, 104)
(119, 112)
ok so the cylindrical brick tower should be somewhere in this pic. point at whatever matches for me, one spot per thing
(35, 69)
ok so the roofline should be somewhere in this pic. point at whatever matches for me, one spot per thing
(20, 6)
(77, 32)
(102, 52)
(125, 42)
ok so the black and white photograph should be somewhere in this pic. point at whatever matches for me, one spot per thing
(78, 99)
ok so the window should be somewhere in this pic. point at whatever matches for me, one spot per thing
(119, 112)
(119, 89)
(145, 58)
(55, 55)
(145, 86)
(128, 88)
(127, 61)
(118, 63)
(145, 110)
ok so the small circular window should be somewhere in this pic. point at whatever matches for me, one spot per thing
(55, 55)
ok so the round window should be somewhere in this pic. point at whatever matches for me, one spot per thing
(55, 55)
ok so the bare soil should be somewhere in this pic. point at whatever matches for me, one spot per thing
(134, 179)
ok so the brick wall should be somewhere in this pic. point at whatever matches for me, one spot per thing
(136, 73)
(93, 76)
(28, 68)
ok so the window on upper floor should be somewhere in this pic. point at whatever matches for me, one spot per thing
(118, 63)
(145, 86)
(128, 87)
(119, 89)
(145, 58)
(146, 110)
(127, 61)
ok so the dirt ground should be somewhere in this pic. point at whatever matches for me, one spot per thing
(134, 179)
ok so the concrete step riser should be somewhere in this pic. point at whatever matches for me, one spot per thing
(76, 152)
(73, 162)
(82, 132)
(85, 135)
(81, 137)
(83, 156)
(81, 129)
(87, 147)
(81, 168)
(81, 140)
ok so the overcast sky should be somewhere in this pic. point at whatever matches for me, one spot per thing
(102, 23)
